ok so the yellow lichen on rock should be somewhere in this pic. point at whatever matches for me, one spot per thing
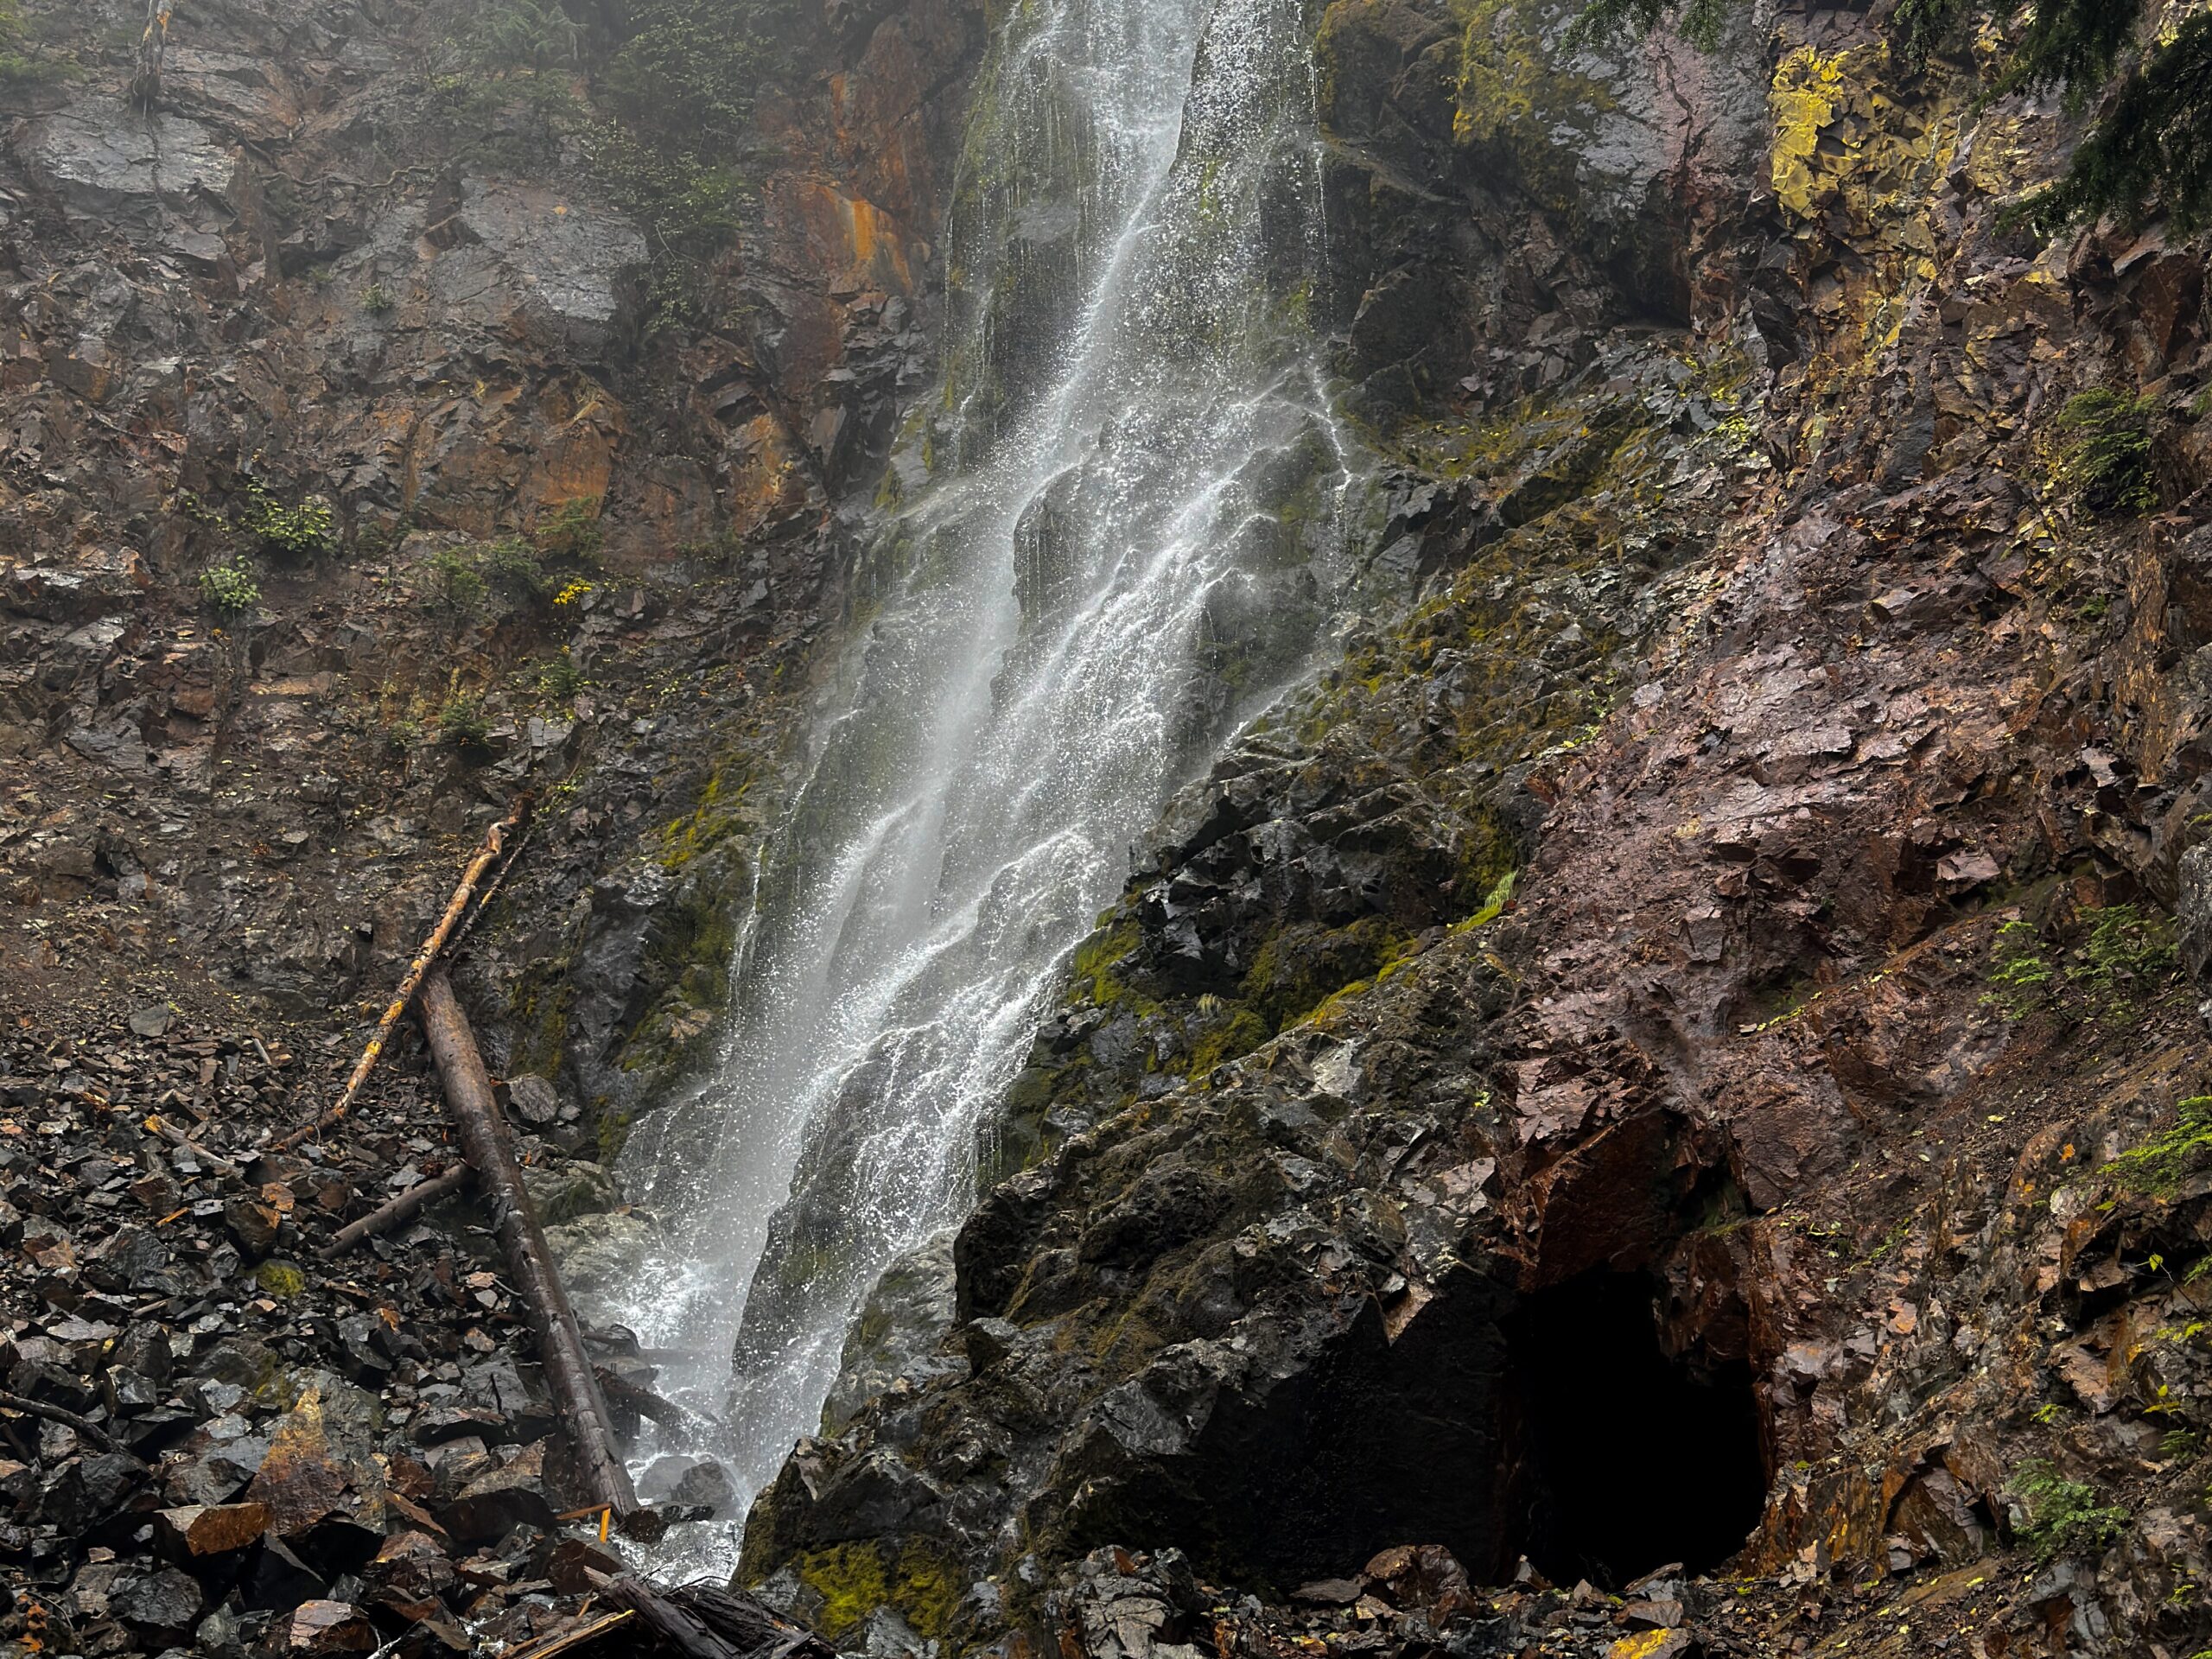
(1808, 91)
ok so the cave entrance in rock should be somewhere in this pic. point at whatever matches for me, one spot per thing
(1629, 1459)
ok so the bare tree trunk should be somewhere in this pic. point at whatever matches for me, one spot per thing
(485, 1143)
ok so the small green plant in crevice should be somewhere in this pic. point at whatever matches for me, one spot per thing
(571, 533)
(2126, 953)
(2064, 1516)
(462, 723)
(296, 532)
(561, 679)
(230, 589)
(2127, 949)
(2021, 974)
(377, 300)
(2160, 1165)
(401, 736)
(456, 581)
(512, 566)
(2106, 451)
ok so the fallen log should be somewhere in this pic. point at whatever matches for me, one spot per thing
(484, 1143)
(396, 1212)
(456, 908)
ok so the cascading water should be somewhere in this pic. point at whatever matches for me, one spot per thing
(1114, 540)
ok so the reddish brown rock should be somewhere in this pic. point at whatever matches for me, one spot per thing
(323, 1629)
(198, 1531)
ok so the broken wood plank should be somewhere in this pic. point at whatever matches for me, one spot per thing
(456, 908)
(485, 1143)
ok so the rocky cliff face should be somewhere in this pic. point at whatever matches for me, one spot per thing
(1675, 1039)
(1673, 1053)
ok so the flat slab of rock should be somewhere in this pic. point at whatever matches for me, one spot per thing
(569, 257)
(104, 157)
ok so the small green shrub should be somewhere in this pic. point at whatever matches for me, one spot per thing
(514, 567)
(571, 533)
(2064, 1517)
(376, 299)
(689, 68)
(460, 584)
(401, 736)
(2021, 974)
(296, 532)
(561, 678)
(2127, 949)
(462, 721)
(2107, 464)
(230, 589)
(532, 34)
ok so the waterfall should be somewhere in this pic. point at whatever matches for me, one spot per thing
(1101, 548)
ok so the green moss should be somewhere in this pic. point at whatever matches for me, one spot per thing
(1521, 100)
(717, 819)
(1303, 966)
(280, 1280)
(1096, 958)
(920, 1582)
(1242, 1032)
(613, 1132)
(2160, 1165)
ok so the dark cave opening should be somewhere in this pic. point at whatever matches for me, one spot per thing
(1629, 1459)
(1383, 1442)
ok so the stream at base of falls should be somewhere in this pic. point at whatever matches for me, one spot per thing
(1108, 541)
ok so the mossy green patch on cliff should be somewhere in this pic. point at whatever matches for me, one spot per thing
(1302, 967)
(1514, 94)
(919, 1581)
(2158, 1166)
(1096, 960)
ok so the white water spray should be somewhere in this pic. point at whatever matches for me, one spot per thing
(1123, 546)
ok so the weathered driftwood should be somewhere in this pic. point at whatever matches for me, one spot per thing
(396, 1212)
(485, 1144)
(456, 908)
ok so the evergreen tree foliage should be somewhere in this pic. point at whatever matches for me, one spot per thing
(2152, 147)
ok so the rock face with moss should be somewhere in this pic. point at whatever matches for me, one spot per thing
(1669, 1051)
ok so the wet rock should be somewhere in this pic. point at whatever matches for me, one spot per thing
(705, 1485)
(199, 1532)
(569, 255)
(106, 159)
(319, 1630)
(162, 1607)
